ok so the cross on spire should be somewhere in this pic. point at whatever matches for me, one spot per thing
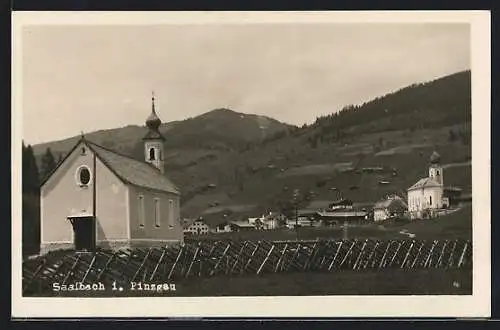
(153, 100)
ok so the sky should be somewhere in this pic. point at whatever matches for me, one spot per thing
(86, 78)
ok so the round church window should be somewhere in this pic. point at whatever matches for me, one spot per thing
(83, 176)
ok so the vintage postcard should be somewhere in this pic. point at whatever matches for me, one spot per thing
(251, 164)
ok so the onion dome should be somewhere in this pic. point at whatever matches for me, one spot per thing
(435, 158)
(153, 122)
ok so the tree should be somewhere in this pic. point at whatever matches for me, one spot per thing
(48, 164)
(313, 141)
(30, 203)
(30, 224)
(29, 171)
(452, 136)
(287, 208)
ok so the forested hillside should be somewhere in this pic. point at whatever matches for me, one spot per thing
(234, 164)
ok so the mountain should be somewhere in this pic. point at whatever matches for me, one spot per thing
(219, 129)
(238, 164)
(223, 128)
(396, 132)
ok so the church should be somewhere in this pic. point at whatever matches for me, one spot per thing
(426, 196)
(97, 197)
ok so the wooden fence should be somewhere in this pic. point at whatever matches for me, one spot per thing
(212, 258)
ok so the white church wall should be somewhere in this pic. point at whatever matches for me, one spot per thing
(170, 226)
(61, 197)
(423, 199)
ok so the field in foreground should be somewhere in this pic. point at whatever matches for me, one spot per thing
(406, 267)
(387, 282)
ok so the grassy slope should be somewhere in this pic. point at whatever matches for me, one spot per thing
(204, 150)
(266, 186)
(454, 225)
(420, 116)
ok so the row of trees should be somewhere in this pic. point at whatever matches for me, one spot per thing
(443, 102)
(31, 179)
(31, 202)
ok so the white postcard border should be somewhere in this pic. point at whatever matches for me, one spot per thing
(476, 305)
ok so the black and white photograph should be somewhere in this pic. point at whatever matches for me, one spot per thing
(253, 164)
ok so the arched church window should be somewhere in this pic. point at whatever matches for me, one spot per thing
(152, 154)
(430, 200)
(438, 172)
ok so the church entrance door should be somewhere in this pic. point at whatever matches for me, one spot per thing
(83, 233)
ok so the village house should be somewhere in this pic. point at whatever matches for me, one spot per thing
(335, 217)
(425, 197)
(269, 221)
(224, 227)
(274, 220)
(301, 222)
(391, 207)
(341, 204)
(241, 225)
(254, 221)
(98, 197)
(197, 227)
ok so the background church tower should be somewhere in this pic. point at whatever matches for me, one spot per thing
(154, 140)
(435, 168)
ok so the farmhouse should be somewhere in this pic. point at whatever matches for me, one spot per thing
(224, 227)
(393, 206)
(426, 196)
(197, 227)
(269, 221)
(274, 220)
(341, 204)
(241, 225)
(340, 216)
(98, 197)
(301, 222)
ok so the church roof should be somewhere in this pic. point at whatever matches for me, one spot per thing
(153, 122)
(153, 135)
(129, 170)
(425, 183)
(391, 203)
(132, 171)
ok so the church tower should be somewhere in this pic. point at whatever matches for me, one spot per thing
(435, 168)
(153, 140)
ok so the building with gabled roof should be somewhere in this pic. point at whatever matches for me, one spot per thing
(426, 195)
(97, 197)
(392, 206)
(197, 227)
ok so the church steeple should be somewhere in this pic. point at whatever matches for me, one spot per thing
(153, 122)
(153, 140)
(435, 168)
